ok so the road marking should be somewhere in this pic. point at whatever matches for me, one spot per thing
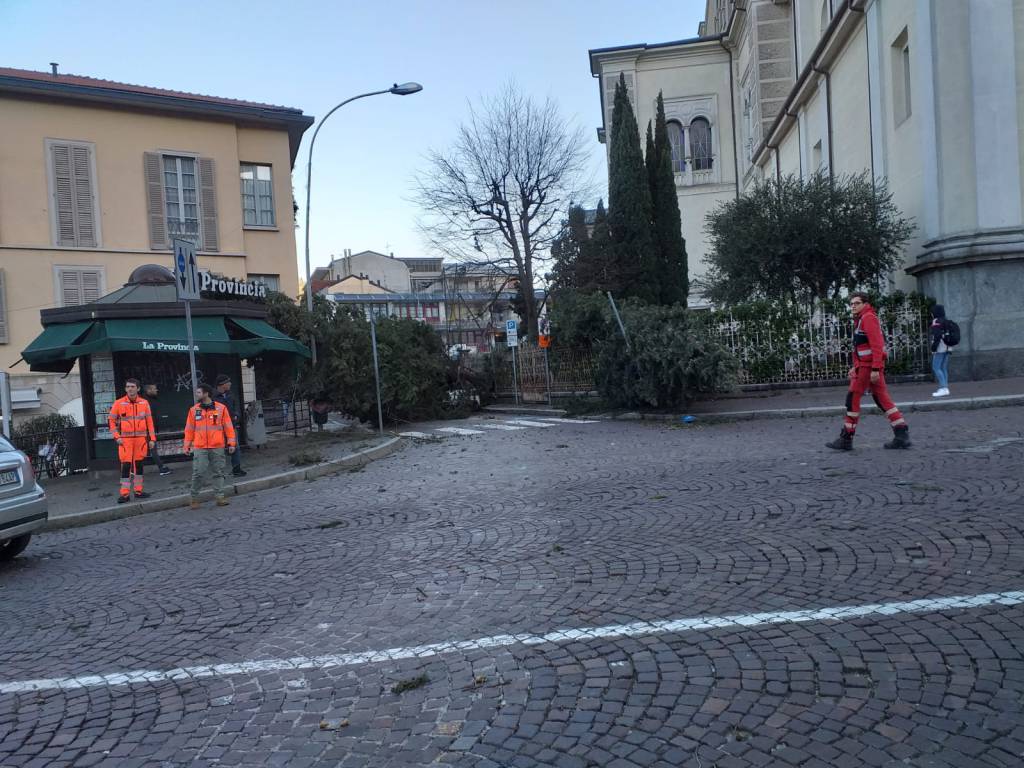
(420, 435)
(568, 421)
(506, 427)
(636, 629)
(525, 423)
(460, 431)
(988, 447)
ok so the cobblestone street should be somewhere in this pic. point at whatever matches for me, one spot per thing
(593, 594)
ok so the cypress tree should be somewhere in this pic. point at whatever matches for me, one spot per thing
(633, 247)
(673, 268)
(598, 251)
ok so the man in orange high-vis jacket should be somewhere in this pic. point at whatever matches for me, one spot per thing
(131, 424)
(868, 374)
(208, 431)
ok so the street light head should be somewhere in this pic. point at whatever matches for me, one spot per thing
(405, 89)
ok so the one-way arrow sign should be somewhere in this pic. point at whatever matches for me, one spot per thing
(186, 271)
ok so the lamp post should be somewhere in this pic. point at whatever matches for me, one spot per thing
(399, 90)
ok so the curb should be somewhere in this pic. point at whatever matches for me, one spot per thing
(524, 410)
(120, 511)
(722, 417)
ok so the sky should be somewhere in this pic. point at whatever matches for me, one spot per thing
(312, 55)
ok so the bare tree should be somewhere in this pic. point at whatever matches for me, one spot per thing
(498, 195)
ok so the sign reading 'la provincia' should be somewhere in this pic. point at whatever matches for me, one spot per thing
(230, 287)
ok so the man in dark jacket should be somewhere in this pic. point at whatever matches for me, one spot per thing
(224, 396)
(152, 395)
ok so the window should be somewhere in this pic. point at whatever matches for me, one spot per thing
(257, 195)
(72, 175)
(273, 282)
(675, 142)
(78, 285)
(181, 200)
(700, 144)
(900, 62)
(4, 337)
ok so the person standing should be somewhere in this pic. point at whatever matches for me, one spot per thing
(131, 424)
(208, 433)
(867, 374)
(224, 396)
(152, 397)
(940, 350)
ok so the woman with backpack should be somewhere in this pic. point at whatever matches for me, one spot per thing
(943, 332)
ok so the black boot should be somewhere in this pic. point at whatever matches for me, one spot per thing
(842, 443)
(900, 438)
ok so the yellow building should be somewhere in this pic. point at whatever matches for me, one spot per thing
(97, 177)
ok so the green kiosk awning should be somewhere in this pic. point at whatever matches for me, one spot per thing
(60, 344)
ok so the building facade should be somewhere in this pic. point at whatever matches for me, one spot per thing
(922, 93)
(97, 177)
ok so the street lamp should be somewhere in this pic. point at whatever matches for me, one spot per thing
(404, 89)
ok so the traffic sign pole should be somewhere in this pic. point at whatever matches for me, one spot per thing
(186, 281)
(191, 345)
(515, 377)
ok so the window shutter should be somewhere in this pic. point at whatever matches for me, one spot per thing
(85, 209)
(91, 288)
(155, 208)
(63, 194)
(4, 337)
(70, 288)
(208, 204)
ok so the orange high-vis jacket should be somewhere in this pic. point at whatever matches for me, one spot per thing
(131, 421)
(209, 427)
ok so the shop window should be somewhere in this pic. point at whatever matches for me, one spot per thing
(273, 282)
(181, 200)
(257, 195)
(78, 285)
(72, 177)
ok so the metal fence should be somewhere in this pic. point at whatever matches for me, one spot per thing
(55, 453)
(284, 415)
(814, 348)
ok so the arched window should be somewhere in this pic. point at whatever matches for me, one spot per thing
(700, 144)
(675, 142)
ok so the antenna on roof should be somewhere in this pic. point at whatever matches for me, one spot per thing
(53, 68)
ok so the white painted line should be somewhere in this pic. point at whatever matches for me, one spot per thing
(415, 434)
(568, 421)
(525, 423)
(636, 629)
(505, 427)
(460, 431)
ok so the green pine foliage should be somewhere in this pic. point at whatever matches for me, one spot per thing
(673, 268)
(633, 249)
(581, 259)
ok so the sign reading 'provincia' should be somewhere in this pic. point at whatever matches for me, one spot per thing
(230, 287)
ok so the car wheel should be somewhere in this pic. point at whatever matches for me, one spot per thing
(13, 547)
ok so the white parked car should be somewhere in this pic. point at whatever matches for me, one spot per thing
(22, 502)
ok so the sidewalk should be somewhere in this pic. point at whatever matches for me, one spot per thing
(91, 497)
(830, 401)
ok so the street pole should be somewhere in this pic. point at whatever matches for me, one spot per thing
(5, 403)
(376, 370)
(547, 374)
(191, 345)
(515, 377)
(618, 319)
(399, 90)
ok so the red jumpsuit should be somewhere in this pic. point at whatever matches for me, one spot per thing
(869, 355)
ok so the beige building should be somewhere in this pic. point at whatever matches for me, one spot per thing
(923, 93)
(97, 177)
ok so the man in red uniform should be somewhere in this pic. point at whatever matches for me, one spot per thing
(867, 374)
(131, 424)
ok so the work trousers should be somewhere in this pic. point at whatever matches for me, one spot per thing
(128, 468)
(860, 384)
(207, 462)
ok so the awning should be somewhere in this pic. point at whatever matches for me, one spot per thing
(261, 336)
(59, 345)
